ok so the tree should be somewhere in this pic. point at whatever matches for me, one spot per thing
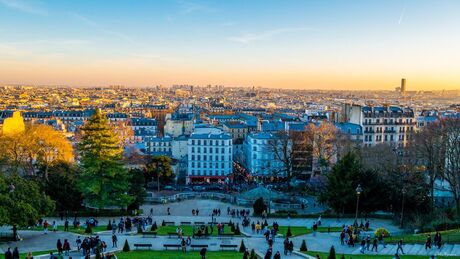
(303, 246)
(452, 168)
(242, 247)
(253, 254)
(281, 148)
(61, 186)
(259, 206)
(22, 201)
(322, 138)
(103, 181)
(126, 247)
(137, 188)
(160, 168)
(331, 253)
(289, 233)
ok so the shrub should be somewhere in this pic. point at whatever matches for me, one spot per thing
(237, 230)
(139, 228)
(232, 227)
(98, 253)
(381, 231)
(163, 223)
(342, 256)
(441, 226)
(289, 233)
(88, 229)
(259, 206)
(126, 246)
(303, 246)
(154, 226)
(253, 254)
(331, 253)
(109, 226)
(242, 247)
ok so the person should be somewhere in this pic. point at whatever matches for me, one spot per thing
(78, 241)
(291, 247)
(400, 246)
(317, 256)
(374, 244)
(114, 240)
(59, 246)
(29, 255)
(66, 247)
(8, 254)
(268, 255)
(188, 241)
(277, 255)
(54, 226)
(342, 238)
(52, 256)
(428, 242)
(16, 253)
(368, 242)
(286, 246)
(203, 253)
(45, 227)
(438, 240)
(168, 211)
(183, 245)
(66, 225)
(363, 246)
(382, 240)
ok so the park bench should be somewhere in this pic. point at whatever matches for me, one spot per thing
(223, 247)
(199, 222)
(186, 223)
(172, 234)
(150, 233)
(143, 245)
(166, 246)
(198, 246)
(170, 223)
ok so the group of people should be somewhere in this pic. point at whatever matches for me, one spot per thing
(90, 245)
(437, 241)
(239, 213)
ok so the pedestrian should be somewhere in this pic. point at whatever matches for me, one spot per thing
(363, 246)
(54, 226)
(59, 246)
(114, 240)
(277, 255)
(66, 225)
(66, 247)
(428, 242)
(368, 242)
(183, 245)
(400, 246)
(342, 237)
(291, 247)
(286, 246)
(16, 253)
(203, 253)
(374, 244)
(438, 240)
(8, 254)
(45, 227)
(382, 240)
(168, 211)
(78, 241)
(268, 255)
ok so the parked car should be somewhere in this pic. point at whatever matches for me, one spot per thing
(169, 188)
(199, 188)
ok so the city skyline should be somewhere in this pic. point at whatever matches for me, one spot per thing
(357, 45)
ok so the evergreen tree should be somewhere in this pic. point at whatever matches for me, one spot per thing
(237, 229)
(109, 226)
(342, 256)
(126, 247)
(289, 233)
(98, 253)
(103, 181)
(331, 253)
(242, 247)
(303, 246)
(88, 229)
(154, 226)
(253, 254)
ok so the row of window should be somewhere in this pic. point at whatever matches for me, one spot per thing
(369, 138)
(210, 149)
(385, 121)
(210, 158)
(210, 165)
(210, 173)
(210, 142)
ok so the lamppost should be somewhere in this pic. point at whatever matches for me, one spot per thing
(358, 190)
(401, 221)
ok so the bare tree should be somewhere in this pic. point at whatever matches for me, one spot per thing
(451, 129)
(281, 148)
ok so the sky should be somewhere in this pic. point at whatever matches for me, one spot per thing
(302, 44)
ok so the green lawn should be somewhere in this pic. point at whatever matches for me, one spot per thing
(177, 255)
(298, 231)
(449, 236)
(186, 230)
(80, 230)
(348, 256)
(47, 252)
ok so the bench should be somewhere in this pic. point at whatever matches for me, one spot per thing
(143, 245)
(198, 246)
(170, 223)
(222, 247)
(186, 223)
(166, 246)
(199, 223)
(150, 233)
(172, 234)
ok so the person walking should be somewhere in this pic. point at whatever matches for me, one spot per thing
(368, 242)
(183, 245)
(375, 245)
(66, 225)
(438, 240)
(291, 247)
(78, 241)
(45, 227)
(382, 240)
(400, 247)
(428, 242)
(59, 246)
(363, 246)
(66, 247)
(286, 246)
(277, 255)
(16, 253)
(114, 240)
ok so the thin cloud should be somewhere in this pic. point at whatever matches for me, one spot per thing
(22, 6)
(401, 16)
(50, 42)
(101, 28)
(247, 38)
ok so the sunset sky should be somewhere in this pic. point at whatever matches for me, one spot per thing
(284, 44)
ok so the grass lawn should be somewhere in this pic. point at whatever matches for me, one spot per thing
(298, 231)
(186, 230)
(46, 252)
(348, 256)
(80, 230)
(176, 254)
(449, 236)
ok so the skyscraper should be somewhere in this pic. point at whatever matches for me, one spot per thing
(403, 85)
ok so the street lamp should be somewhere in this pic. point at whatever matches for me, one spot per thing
(401, 221)
(358, 190)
